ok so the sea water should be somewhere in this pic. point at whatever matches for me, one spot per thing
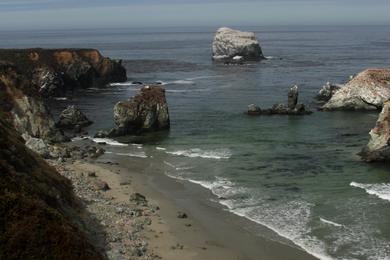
(299, 176)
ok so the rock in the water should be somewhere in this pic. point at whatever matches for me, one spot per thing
(38, 146)
(367, 91)
(147, 111)
(253, 109)
(378, 148)
(72, 117)
(232, 46)
(293, 107)
(327, 91)
(292, 97)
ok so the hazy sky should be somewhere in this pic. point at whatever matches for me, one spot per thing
(26, 14)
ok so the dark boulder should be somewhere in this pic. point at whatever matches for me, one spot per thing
(73, 118)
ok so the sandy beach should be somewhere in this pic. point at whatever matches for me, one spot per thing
(179, 219)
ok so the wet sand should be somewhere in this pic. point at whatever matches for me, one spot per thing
(209, 232)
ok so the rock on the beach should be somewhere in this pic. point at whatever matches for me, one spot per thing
(378, 148)
(367, 91)
(327, 91)
(138, 198)
(147, 111)
(235, 46)
(72, 117)
(38, 146)
(182, 215)
(100, 185)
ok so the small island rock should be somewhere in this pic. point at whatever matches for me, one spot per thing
(233, 46)
(147, 111)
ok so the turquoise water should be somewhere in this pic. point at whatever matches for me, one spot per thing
(299, 176)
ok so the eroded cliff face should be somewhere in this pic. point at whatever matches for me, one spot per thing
(367, 91)
(29, 76)
(378, 148)
(39, 215)
(145, 112)
(22, 105)
(56, 71)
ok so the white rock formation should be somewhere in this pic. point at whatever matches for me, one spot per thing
(367, 91)
(232, 45)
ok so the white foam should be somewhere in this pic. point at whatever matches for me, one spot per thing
(120, 84)
(138, 155)
(204, 77)
(217, 154)
(160, 148)
(331, 222)
(176, 82)
(289, 220)
(381, 190)
(61, 98)
(108, 141)
(177, 168)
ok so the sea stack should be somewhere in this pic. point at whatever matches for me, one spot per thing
(145, 112)
(367, 91)
(233, 46)
(378, 148)
(292, 107)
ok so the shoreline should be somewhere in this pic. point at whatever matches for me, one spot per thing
(209, 232)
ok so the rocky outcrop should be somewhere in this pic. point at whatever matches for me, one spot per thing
(232, 46)
(327, 91)
(29, 76)
(40, 216)
(23, 106)
(72, 118)
(56, 71)
(145, 112)
(292, 107)
(367, 91)
(378, 148)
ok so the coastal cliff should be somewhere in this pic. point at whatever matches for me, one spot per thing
(29, 76)
(39, 215)
(22, 105)
(56, 71)
(378, 148)
(367, 91)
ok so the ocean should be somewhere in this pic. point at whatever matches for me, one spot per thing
(299, 176)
